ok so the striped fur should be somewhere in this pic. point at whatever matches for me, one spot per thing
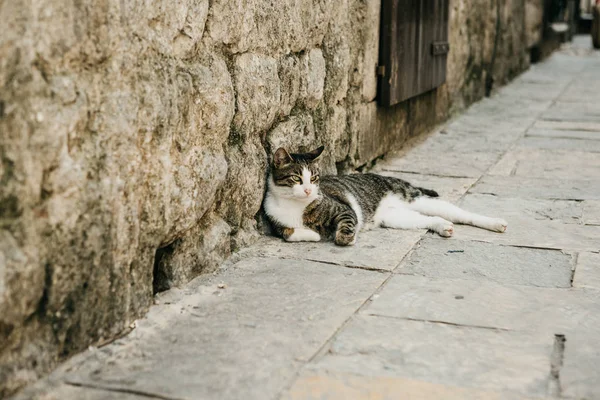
(337, 207)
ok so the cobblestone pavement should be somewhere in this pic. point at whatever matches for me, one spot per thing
(405, 314)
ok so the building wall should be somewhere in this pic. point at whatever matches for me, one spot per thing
(135, 138)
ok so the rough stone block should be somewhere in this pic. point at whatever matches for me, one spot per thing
(441, 354)
(312, 83)
(295, 134)
(371, 50)
(258, 93)
(289, 74)
(439, 258)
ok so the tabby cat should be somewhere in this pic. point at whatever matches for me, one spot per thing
(304, 206)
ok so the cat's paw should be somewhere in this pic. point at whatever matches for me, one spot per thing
(498, 225)
(443, 228)
(345, 239)
(303, 235)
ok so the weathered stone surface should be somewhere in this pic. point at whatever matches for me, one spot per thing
(258, 93)
(587, 271)
(371, 50)
(280, 27)
(487, 304)
(486, 359)
(295, 134)
(66, 391)
(563, 133)
(439, 258)
(332, 386)
(531, 223)
(548, 164)
(336, 51)
(247, 332)
(579, 374)
(524, 187)
(470, 165)
(560, 143)
(172, 31)
(312, 67)
(289, 74)
(565, 211)
(366, 253)
(591, 212)
(529, 232)
(569, 126)
(204, 248)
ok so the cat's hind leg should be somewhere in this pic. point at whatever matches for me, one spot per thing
(446, 210)
(404, 218)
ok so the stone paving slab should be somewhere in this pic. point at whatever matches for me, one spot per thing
(336, 386)
(587, 271)
(580, 374)
(366, 253)
(591, 212)
(465, 165)
(589, 126)
(440, 258)
(441, 354)
(253, 334)
(563, 133)
(487, 304)
(558, 143)
(538, 188)
(565, 211)
(69, 392)
(548, 164)
(529, 232)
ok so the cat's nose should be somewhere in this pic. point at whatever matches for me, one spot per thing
(307, 191)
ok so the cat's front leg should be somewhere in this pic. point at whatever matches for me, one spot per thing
(346, 231)
(300, 235)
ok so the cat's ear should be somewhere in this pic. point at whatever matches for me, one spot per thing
(316, 153)
(281, 158)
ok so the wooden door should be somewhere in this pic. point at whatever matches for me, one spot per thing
(413, 48)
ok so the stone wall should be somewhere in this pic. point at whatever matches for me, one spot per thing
(135, 138)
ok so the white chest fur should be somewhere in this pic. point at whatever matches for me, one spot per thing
(287, 212)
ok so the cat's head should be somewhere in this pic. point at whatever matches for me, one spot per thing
(295, 176)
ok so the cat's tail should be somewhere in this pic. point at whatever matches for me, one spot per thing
(428, 192)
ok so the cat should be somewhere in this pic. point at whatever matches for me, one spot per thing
(302, 205)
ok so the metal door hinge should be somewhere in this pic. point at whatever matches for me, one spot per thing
(440, 48)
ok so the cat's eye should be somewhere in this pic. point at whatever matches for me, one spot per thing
(296, 179)
(314, 178)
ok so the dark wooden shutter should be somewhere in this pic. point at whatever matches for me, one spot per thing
(413, 48)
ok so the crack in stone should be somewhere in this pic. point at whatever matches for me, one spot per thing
(433, 321)
(138, 392)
